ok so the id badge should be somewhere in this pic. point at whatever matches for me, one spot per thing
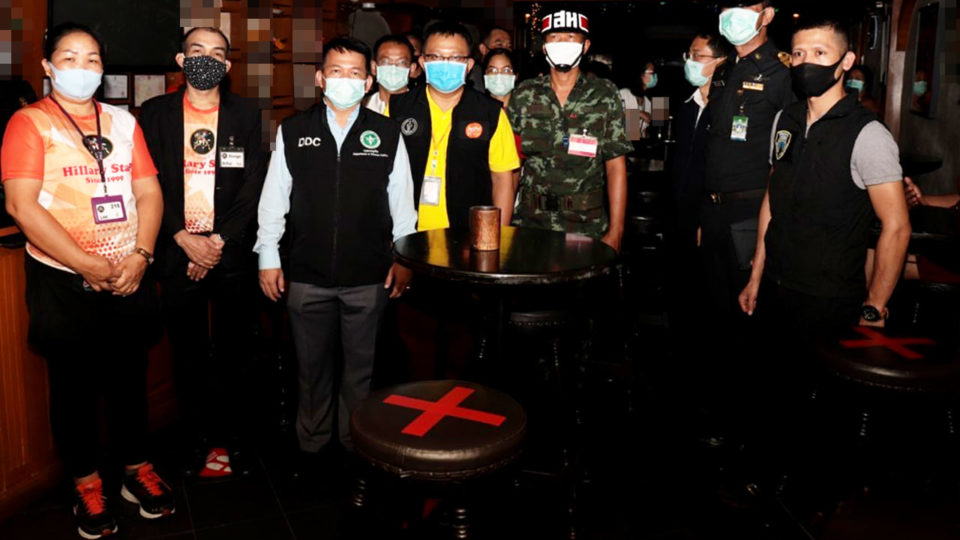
(582, 145)
(231, 157)
(739, 131)
(430, 191)
(108, 209)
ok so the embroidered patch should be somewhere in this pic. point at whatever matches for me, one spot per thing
(202, 141)
(409, 126)
(103, 147)
(782, 142)
(473, 130)
(370, 140)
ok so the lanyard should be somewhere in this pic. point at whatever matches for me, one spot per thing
(439, 145)
(98, 153)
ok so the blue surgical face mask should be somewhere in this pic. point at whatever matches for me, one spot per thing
(739, 25)
(854, 85)
(693, 71)
(653, 81)
(392, 78)
(78, 84)
(444, 76)
(919, 88)
(344, 93)
(499, 84)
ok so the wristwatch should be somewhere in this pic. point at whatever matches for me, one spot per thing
(146, 254)
(872, 314)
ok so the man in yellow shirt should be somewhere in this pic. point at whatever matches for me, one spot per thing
(462, 149)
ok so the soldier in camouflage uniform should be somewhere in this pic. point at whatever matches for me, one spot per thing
(572, 135)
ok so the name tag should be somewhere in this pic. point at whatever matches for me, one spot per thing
(231, 157)
(739, 130)
(582, 145)
(108, 209)
(748, 85)
(430, 191)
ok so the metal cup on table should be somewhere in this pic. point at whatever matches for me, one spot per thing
(485, 228)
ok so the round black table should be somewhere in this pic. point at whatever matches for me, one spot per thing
(526, 257)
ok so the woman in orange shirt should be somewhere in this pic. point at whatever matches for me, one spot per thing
(80, 183)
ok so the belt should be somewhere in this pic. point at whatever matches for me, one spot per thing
(551, 202)
(722, 197)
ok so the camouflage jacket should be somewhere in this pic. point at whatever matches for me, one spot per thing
(594, 109)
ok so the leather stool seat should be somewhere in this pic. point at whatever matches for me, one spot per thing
(438, 430)
(891, 360)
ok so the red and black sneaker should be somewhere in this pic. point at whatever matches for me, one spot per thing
(217, 464)
(144, 488)
(93, 517)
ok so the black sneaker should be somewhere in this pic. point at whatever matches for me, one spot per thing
(144, 487)
(93, 517)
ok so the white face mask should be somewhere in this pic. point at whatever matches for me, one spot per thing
(344, 93)
(564, 55)
(500, 84)
(78, 84)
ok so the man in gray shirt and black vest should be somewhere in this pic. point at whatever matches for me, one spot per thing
(834, 167)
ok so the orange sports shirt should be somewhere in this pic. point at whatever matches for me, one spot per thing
(40, 143)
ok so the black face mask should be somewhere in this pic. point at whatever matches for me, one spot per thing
(812, 80)
(203, 72)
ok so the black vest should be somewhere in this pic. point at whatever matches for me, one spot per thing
(468, 180)
(817, 239)
(339, 227)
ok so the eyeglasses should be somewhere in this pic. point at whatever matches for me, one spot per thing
(505, 70)
(697, 57)
(438, 58)
(397, 63)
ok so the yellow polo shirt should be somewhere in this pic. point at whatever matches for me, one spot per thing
(502, 158)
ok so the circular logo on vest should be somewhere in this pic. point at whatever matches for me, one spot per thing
(370, 139)
(473, 130)
(98, 148)
(202, 141)
(409, 126)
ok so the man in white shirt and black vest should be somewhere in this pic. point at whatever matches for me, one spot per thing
(339, 184)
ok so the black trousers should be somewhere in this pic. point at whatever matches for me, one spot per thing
(789, 316)
(211, 325)
(96, 346)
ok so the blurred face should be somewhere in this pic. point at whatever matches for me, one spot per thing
(415, 70)
(567, 37)
(392, 54)
(499, 65)
(344, 65)
(701, 52)
(648, 72)
(823, 47)
(205, 43)
(451, 48)
(496, 40)
(77, 50)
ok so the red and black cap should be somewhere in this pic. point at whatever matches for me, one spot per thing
(565, 21)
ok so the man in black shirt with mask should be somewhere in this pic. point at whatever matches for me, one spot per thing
(748, 91)
(834, 166)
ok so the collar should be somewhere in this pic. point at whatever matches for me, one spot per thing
(765, 53)
(332, 117)
(697, 98)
